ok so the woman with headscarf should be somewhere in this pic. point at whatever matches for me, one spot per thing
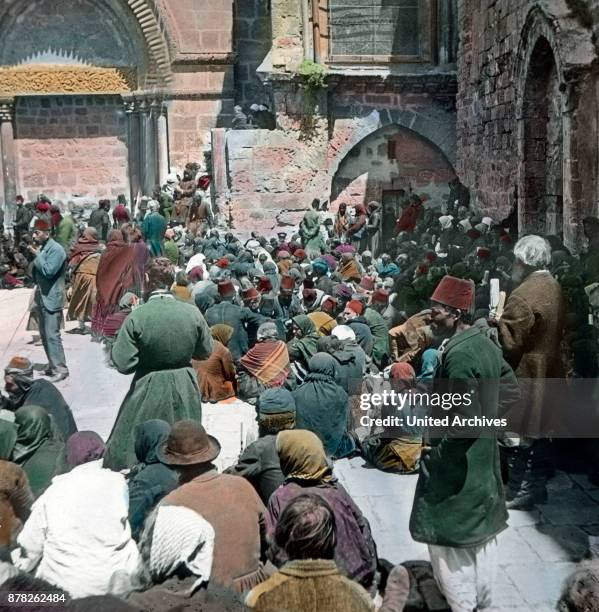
(149, 480)
(177, 551)
(216, 375)
(78, 537)
(322, 405)
(323, 322)
(121, 269)
(265, 365)
(36, 451)
(84, 259)
(15, 495)
(303, 345)
(309, 230)
(270, 272)
(307, 470)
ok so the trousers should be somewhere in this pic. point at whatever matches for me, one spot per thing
(466, 576)
(49, 324)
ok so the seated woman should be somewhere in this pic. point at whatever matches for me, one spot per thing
(150, 480)
(78, 536)
(36, 450)
(322, 406)
(265, 365)
(307, 470)
(177, 550)
(216, 375)
(15, 495)
(306, 533)
(398, 449)
(303, 345)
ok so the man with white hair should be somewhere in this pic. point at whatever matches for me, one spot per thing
(530, 331)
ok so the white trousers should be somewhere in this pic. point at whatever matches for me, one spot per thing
(466, 576)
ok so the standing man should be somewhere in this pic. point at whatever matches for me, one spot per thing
(154, 228)
(48, 274)
(23, 217)
(100, 220)
(459, 505)
(531, 329)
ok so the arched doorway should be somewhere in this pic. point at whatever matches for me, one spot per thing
(541, 190)
(385, 166)
(81, 117)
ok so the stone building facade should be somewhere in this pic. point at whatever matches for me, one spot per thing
(383, 123)
(527, 137)
(101, 97)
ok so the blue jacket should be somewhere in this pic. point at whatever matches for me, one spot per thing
(48, 274)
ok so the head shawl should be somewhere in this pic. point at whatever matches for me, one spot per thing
(222, 333)
(178, 537)
(83, 447)
(275, 401)
(305, 324)
(149, 437)
(302, 456)
(322, 363)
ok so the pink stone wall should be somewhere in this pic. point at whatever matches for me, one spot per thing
(71, 146)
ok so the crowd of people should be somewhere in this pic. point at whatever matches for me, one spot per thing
(302, 326)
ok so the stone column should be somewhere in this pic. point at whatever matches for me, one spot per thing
(133, 150)
(220, 182)
(9, 165)
(148, 156)
(162, 144)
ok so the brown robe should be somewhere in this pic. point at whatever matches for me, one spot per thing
(232, 506)
(84, 289)
(216, 375)
(531, 329)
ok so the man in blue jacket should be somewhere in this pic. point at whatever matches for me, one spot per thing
(48, 272)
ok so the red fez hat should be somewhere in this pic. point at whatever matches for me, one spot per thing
(287, 283)
(43, 225)
(367, 283)
(355, 306)
(430, 256)
(43, 207)
(300, 254)
(250, 294)
(226, 288)
(264, 284)
(483, 253)
(505, 238)
(223, 262)
(380, 296)
(19, 363)
(455, 293)
(473, 233)
(329, 305)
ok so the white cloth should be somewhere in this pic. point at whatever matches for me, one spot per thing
(343, 332)
(78, 534)
(181, 537)
(197, 260)
(445, 221)
(466, 576)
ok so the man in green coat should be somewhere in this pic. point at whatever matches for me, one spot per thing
(154, 227)
(459, 505)
(157, 343)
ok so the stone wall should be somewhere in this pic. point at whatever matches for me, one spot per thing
(392, 158)
(495, 67)
(253, 39)
(69, 146)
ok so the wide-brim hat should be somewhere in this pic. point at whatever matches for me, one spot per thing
(188, 444)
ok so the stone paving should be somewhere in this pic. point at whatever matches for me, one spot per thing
(536, 553)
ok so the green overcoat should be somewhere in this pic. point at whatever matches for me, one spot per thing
(157, 342)
(459, 498)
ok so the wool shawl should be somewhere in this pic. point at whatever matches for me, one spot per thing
(268, 362)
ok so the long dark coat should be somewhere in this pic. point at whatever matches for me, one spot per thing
(459, 498)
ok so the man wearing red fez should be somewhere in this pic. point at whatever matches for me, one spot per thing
(48, 273)
(459, 505)
(531, 330)
(287, 303)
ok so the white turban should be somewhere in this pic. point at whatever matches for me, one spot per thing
(445, 221)
(343, 332)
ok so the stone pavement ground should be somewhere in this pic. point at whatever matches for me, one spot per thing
(536, 553)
